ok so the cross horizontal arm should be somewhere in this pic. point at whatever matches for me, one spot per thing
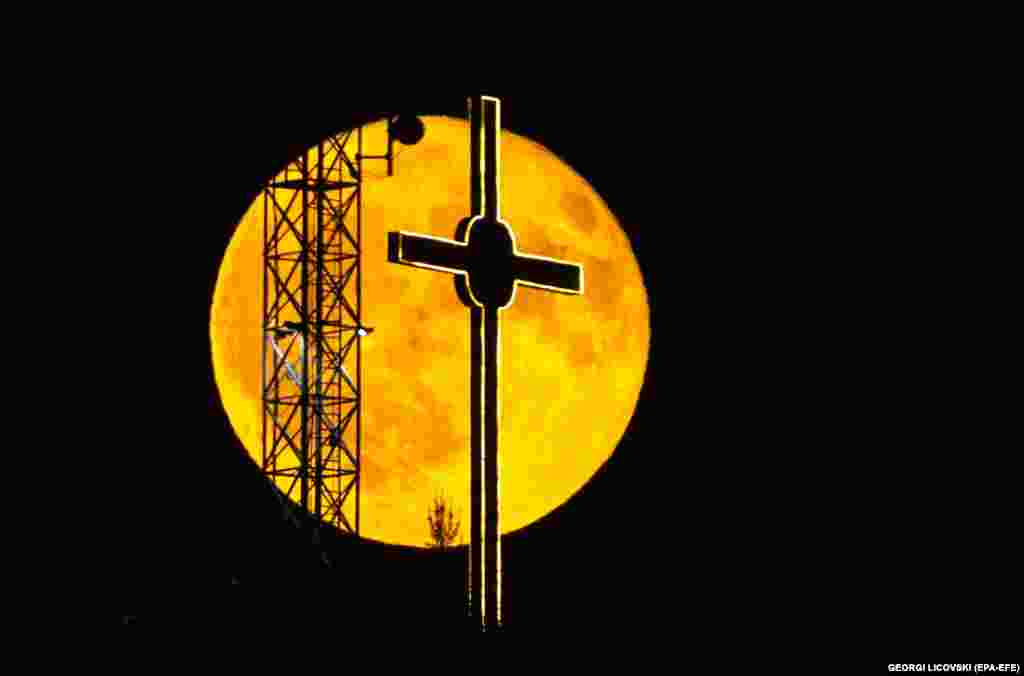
(550, 274)
(427, 252)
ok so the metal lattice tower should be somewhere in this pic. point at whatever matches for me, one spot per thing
(313, 329)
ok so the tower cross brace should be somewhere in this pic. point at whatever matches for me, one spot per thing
(487, 269)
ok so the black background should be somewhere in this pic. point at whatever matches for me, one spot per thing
(804, 464)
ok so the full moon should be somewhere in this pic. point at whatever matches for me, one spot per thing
(571, 366)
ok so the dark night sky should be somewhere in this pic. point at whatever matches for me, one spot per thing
(800, 462)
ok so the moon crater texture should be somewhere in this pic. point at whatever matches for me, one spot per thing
(571, 366)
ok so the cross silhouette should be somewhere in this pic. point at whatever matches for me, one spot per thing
(487, 269)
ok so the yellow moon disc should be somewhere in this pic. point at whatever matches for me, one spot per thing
(572, 366)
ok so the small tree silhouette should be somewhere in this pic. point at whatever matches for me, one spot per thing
(444, 527)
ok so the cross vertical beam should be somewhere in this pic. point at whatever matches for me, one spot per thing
(487, 269)
(485, 543)
(490, 410)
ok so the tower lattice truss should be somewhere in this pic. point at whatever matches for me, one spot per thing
(313, 330)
